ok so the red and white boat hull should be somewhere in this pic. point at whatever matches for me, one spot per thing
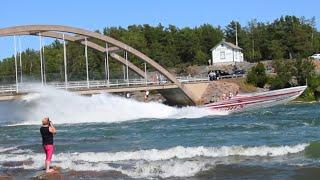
(257, 100)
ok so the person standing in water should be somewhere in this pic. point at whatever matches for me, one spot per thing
(47, 131)
(146, 96)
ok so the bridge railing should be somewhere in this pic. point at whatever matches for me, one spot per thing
(204, 77)
(7, 88)
(76, 85)
(193, 78)
(96, 84)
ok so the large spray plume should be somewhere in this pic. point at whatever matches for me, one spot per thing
(66, 107)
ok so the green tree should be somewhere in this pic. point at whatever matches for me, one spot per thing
(208, 36)
(303, 69)
(257, 75)
(200, 58)
(276, 49)
(295, 35)
(284, 71)
(314, 86)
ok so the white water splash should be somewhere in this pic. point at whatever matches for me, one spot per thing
(2, 149)
(66, 107)
(177, 161)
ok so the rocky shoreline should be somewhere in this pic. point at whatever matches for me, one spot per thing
(61, 174)
(214, 91)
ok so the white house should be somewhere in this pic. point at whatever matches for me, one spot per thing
(226, 52)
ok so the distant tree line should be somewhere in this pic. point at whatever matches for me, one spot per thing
(285, 38)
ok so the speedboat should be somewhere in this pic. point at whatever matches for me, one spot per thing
(250, 101)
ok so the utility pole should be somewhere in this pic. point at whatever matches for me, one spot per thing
(236, 33)
(252, 26)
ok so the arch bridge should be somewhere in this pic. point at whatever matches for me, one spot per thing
(182, 95)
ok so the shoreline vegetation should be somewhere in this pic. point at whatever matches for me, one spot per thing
(288, 73)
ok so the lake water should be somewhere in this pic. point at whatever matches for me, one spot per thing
(129, 139)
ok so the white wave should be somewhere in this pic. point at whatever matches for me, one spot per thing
(31, 97)
(5, 149)
(66, 107)
(166, 169)
(189, 152)
(177, 161)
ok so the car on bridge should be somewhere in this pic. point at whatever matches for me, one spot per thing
(239, 72)
(217, 74)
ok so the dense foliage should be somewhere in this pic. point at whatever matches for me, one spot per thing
(291, 72)
(284, 69)
(313, 91)
(257, 75)
(285, 38)
(296, 72)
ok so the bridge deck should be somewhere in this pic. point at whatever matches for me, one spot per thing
(10, 92)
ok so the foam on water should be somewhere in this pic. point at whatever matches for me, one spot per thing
(66, 107)
(177, 161)
(2, 149)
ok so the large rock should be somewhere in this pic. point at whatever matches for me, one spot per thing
(218, 90)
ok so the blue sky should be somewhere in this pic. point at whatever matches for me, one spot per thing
(96, 14)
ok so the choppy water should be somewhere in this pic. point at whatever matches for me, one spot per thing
(107, 133)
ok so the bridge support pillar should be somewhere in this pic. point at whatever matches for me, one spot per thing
(87, 65)
(15, 63)
(106, 65)
(41, 60)
(65, 62)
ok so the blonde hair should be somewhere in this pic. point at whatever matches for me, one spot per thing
(45, 121)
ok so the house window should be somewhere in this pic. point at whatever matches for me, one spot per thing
(222, 55)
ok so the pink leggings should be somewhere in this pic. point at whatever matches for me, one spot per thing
(48, 149)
